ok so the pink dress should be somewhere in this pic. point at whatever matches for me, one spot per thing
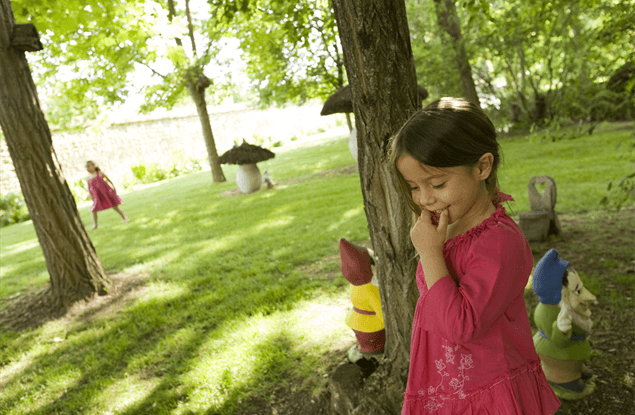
(104, 196)
(472, 351)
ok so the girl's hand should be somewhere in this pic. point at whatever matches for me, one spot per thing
(425, 236)
(564, 321)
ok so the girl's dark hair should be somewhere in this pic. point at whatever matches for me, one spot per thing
(93, 163)
(449, 132)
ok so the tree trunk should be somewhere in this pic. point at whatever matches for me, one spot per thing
(449, 21)
(72, 262)
(380, 69)
(197, 92)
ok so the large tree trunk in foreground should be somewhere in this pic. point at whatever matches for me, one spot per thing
(449, 21)
(197, 92)
(72, 262)
(381, 72)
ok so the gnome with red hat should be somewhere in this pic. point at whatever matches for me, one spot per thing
(365, 318)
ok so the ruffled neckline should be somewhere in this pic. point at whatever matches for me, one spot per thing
(494, 218)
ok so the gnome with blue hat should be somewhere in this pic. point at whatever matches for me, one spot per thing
(564, 323)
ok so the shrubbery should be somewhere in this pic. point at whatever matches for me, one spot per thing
(13, 209)
(153, 172)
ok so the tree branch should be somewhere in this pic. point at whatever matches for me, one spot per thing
(153, 71)
(171, 14)
(190, 26)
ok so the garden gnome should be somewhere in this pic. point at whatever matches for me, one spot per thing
(564, 323)
(366, 318)
(266, 178)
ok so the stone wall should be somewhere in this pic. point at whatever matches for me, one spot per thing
(160, 138)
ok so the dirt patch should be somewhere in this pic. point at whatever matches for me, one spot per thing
(281, 184)
(34, 309)
(295, 398)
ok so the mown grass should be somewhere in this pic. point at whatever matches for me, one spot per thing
(229, 308)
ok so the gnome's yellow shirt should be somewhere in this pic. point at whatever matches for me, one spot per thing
(365, 298)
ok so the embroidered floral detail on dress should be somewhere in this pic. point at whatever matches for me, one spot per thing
(449, 357)
(457, 383)
(433, 406)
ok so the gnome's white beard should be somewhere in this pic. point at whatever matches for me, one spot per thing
(580, 320)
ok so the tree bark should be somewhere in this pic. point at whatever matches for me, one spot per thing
(197, 92)
(74, 268)
(381, 71)
(449, 21)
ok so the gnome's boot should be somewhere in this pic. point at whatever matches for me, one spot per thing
(573, 386)
(576, 389)
(587, 373)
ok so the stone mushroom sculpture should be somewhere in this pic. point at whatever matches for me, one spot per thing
(342, 102)
(246, 156)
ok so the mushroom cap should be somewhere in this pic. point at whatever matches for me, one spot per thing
(246, 154)
(341, 101)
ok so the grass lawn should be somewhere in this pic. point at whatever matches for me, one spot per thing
(219, 300)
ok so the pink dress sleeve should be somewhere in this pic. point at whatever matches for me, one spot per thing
(494, 273)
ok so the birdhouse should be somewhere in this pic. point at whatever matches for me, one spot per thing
(26, 38)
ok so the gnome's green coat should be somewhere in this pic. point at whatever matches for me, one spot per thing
(558, 344)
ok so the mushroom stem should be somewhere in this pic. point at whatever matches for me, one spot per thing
(248, 178)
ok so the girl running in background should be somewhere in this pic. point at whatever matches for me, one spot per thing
(103, 196)
(472, 350)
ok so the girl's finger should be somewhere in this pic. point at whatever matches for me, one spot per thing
(444, 220)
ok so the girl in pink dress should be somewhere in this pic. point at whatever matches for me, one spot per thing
(103, 196)
(472, 351)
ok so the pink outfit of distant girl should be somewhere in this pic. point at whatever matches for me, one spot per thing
(104, 196)
(472, 350)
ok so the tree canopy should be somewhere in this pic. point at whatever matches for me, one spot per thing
(93, 48)
(531, 61)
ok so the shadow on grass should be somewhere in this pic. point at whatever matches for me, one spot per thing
(159, 342)
(245, 267)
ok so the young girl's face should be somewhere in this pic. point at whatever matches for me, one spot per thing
(434, 189)
(90, 167)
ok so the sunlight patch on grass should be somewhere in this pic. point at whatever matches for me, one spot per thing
(250, 353)
(123, 394)
(347, 216)
(272, 223)
(21, 247)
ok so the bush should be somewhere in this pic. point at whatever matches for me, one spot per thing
(79, 191)
(13, 209)
(154, 172)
